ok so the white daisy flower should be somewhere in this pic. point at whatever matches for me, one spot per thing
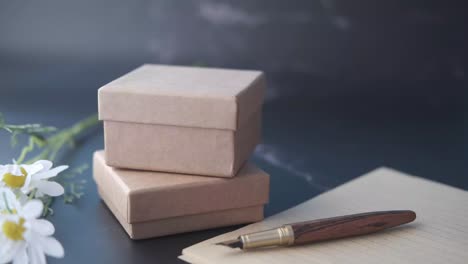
(23, 237)
(29, 177)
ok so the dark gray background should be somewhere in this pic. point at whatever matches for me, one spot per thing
(353, 85)
(357, 40)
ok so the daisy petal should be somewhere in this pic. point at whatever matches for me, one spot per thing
(43, 227)
(46, 164)
(21, 257)
(13, 169)
(50, 188)
(31, 169)
(10, 202)
(32, 209)
(35, 254)
(51, 173)
(38, 194)
(52, 247)
(8, 250)
(26, 187)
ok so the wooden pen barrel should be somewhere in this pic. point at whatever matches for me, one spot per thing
(350, 225)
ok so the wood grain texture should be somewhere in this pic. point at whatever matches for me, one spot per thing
(349, 225)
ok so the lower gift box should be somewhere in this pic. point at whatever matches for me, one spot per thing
(182, 224)
(152, 204)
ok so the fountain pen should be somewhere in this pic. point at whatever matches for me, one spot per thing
(322, 229)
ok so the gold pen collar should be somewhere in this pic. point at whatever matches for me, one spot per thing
(283, 236)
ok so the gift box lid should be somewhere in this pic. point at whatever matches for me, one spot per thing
(183, 96)
(143, 195)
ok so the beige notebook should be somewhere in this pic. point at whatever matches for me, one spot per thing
(439, 234)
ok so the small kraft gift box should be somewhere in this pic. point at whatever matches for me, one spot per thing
(151, 204)
(201, 121)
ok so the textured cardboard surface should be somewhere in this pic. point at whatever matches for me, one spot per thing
(141, 196)
(182, 224)
(183, 96)
(200, 121)
(198, 151)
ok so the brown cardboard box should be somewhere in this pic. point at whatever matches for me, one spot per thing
(200, 121)
(150, 204)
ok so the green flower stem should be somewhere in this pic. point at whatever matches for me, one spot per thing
(32, 194)
(33, 141)
(47, 206)
(53, 144)
(6, 204)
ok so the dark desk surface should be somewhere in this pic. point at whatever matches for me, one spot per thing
(317, 134)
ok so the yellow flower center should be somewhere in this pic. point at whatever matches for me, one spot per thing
(15, 181)
(13, 230)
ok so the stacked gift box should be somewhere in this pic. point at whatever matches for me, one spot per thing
(177, 141)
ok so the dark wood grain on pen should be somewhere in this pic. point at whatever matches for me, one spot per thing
(350, 225)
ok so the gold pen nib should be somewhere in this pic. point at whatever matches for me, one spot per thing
(282, 236)
(233, 243)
